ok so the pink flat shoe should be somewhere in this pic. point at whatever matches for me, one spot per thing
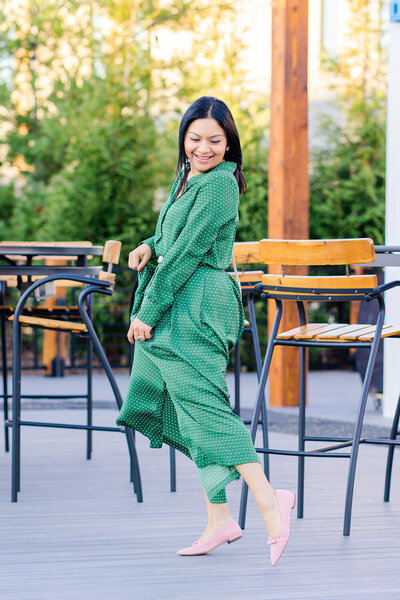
(286, 501)
(230, 532)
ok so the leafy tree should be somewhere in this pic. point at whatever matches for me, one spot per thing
(347, 191)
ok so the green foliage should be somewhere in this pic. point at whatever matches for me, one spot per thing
(7, 201)
(252, 125)
(347, 186)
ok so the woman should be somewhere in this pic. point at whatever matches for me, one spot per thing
(186, 318)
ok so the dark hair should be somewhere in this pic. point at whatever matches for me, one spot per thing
(210, 107)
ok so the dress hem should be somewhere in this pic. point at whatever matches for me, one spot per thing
(154, 444)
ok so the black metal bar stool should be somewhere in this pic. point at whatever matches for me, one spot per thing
(13, 253)
(339, 288)
(103, 284)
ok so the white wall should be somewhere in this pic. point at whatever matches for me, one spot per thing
(391, 383)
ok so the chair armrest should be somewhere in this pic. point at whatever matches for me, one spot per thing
(66, 276)
(380, 289)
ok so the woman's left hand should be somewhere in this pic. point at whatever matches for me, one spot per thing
(141, 331)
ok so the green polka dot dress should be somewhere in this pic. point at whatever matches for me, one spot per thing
(177, 391)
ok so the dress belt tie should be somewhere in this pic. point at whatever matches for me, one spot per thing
(160, 258)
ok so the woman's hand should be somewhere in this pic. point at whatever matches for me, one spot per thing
(138, 331)
(139, 257)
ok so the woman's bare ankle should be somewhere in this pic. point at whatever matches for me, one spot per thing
(214, 525)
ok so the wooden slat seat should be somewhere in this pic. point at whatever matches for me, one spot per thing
(51, 324)
(306, 332)
(337, 332)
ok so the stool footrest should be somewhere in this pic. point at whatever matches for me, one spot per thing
(304, 453)
(65, 426)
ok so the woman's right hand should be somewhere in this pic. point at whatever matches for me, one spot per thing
(139, 257)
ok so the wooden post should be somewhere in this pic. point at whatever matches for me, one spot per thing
(50, 346)
(288, 188)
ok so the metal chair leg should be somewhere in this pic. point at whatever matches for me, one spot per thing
(360, 418)
(135, 469)
(257, 354)
(5, 381)
(389, 463)
(302, 432)
(16, 413)
(89, 399)
(258, 404)
(172, 467)
(89, 389)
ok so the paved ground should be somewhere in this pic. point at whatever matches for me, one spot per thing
(77, 532)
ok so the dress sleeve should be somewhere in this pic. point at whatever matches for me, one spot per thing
(150, 243)
(216, 204)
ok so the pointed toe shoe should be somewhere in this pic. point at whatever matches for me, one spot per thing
(286, 502)
(230, 532)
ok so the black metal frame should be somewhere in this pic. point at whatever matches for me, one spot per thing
(339, 443)
(248, 289)
(92, 286)
(80, 269)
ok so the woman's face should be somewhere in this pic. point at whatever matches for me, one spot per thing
(205, 145)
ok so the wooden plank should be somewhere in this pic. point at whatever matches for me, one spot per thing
(316, 252)
(248, 276)
(352, 282)
(51, 323)
(112, 251)
(328, 327)
(302, 329)
(387, 331)
(246, 253)
(347, 332)
(365, 330)
(288, 186)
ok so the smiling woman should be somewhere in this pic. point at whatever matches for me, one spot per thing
(205, 145)
(187, 317)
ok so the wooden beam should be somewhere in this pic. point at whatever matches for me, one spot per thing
(288, 187)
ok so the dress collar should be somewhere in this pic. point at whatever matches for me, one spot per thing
(226, 165)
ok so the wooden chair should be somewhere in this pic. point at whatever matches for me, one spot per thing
(103, 284)
(320, 288)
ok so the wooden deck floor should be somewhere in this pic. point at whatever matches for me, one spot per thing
(78, 533)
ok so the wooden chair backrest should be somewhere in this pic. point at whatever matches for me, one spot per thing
(111, 254)
(246, 253)
(317, 252)
(312, 253)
